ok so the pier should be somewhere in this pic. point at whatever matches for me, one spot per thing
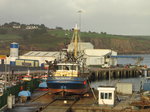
(114, 73)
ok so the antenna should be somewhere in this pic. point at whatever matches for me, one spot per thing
(80, 11)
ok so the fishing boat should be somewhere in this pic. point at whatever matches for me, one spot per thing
(27, 77)
(68, 76)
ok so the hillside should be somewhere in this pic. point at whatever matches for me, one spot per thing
(45, 39)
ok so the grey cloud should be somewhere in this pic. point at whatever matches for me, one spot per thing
(112, 16)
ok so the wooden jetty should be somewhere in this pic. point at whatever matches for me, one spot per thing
(114, 73)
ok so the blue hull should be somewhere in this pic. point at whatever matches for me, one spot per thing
(75, 85)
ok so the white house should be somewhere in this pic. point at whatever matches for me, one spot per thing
(31, 27)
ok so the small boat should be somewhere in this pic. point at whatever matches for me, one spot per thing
(44, 77)
(1, 88)
(36, 77)
(43, 86)
(26, 78)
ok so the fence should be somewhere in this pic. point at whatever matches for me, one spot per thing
(14, 90)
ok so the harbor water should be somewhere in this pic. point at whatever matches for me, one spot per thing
(137, 82)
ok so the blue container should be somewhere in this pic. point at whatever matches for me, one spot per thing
(146, 87)
(42, 64)
(12, 63)
(14, 45)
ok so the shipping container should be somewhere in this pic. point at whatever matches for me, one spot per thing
(19, 62)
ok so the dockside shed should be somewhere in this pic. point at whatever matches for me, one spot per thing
(41, 56)
(99, 57)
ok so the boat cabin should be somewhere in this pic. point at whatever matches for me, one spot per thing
(27, 78)
(67, 70)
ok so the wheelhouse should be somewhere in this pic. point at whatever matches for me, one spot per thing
(67, 69)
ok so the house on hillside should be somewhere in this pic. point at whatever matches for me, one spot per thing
(16, 26)
(31, 27)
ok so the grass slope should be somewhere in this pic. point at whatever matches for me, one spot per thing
(54, 39)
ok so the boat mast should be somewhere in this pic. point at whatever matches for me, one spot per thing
(75, 41)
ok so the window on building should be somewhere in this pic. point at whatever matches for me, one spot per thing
(102, 95)
(110, 95)
(106, 95)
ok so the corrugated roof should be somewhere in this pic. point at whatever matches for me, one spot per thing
(97, 52)
(41, 53)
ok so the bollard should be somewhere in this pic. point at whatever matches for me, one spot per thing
(9, 101)
(13, 99)
(145, 73)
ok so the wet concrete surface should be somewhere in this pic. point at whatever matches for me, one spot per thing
(30, 106)
(87, 103)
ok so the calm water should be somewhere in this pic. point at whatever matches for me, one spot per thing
(135, 81)
(146, 60)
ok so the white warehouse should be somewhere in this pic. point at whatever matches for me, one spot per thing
(91, 56)
(100, 57)
(81, 46)
(41, 56)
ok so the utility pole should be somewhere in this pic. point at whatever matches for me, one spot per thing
(110, 60)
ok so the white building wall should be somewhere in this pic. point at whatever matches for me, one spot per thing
(106, 95)
(94, 60)
(100, 57)
(40, 59)
(81, 46)
(113, 61)
(41, 56)
(124, 88)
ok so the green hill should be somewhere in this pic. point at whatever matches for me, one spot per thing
(45, 39)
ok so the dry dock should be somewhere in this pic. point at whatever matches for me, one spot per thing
(44, 102)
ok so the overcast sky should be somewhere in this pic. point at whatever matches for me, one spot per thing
(128, 17)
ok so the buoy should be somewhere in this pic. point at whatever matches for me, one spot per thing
(13, 99)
